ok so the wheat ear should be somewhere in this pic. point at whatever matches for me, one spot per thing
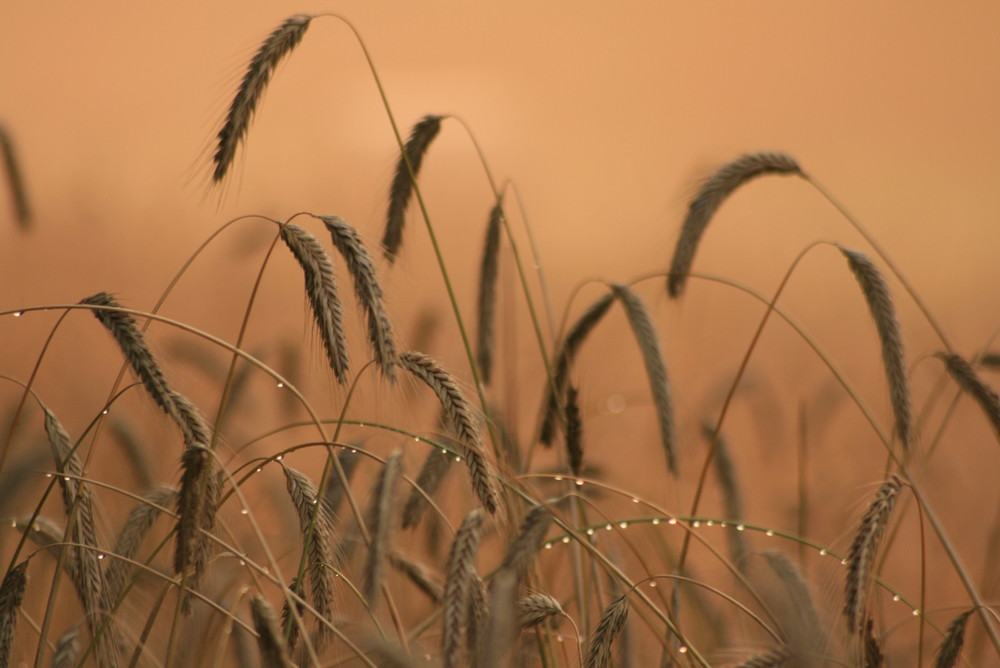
(872, 656)
(459, 416)
(488, 270)
(523, 548)
(380, 523)
(368, 290)
(460, 577)
(967, 379)
(710, 197)
(196, 506)
(880, 304)
(861, 557)
(67, 650)
(407, 169)
(334, 493)
(534, 609)
(609, 627)
(954, 638)
(575, 337)
(15, 181)
(11, 595)
(725, 470)
(321, 289)
(417, 574)
(140, 521)
(316, 522)
(431, 475)
(804, 633)
(656, 369)
(574, 431)
(273, 650)
(778, 656)
(241, 110)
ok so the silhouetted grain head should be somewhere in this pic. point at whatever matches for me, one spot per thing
(401, 192)
(488, 270)
(967, 379)
(15, 181)
(316, 526)
(460, 573)
(273, 649)
(954, 638)
(11, 595)
(609, 627)
(196, 507)
(710, 197)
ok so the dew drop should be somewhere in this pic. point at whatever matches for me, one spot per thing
(19, 314)
(548, 546)
(652, 585)
(280, 385)
(896, 598)
(558, 478)
(634, 500)
(444, 451)
(579, 483)
(916, 613)
(416, 438)
(258, 470)
(608, 527)
(565, 539)
(709, 523)
(279, 458)
(559, 638)
(48, 475)
(656, 520)
(672, 520)
(696, 524)
(66, 478)
(682, 649)
(590, 532)
(768, 533)
(843, 562)
(457, 458)
(104, 412)
(740, 527)
(245, 511)
(242, 563)
(13, 524)
(822, 552)
(354, 451)
(623, 525)
(100, 557)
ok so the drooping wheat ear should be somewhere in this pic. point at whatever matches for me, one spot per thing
(369, 292)
(432, 474)
(15, 181)
(778, 656)
(863, 552)
(460, 419)
(287, 622)
(11, 595)
(804, 632)
(656, 369)
(710, 197)
(380, 524)
(419, 575)
(954, 638)
(488, 270)
(241, 111)
(321, 289)
(421, 136)
(67, 652)
(80, 505)
(273, 650)
(196, 506)
(880, 304)
(314, 513)
(872, 657)
(521, 552)
(609, 626)
(133, 345)
(140, 521)
(731, 495)
(967, 379)
(334, 493)
(460, 573)
(575, 337)
(574, 431)
(534, 609)
(192, 425)
(477, 616)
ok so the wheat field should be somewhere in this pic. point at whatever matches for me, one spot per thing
(444, 428)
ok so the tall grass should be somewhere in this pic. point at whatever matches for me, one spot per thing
(255, 522)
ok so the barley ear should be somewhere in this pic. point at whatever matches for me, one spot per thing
(880, 304)
(656, 369)
(459, 580)
(369, 292)
(710, 197)
(407, 169)
(861, 557)
(241, 111)
(11, 595)
(15, 181)
(967, 379)
(488, 270)
(609, 627)
(273, 650)
(316, 526)
(321, 289)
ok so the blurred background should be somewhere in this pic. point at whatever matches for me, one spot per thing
(606, 118)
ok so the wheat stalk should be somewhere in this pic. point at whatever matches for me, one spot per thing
(880, 304)
(710, 197)
(575, 337)
(401, 191)
(609, 627)
(861, 557)
(656, 369)
(459, 416)
(321, 289)
(488, 270)
(11, 594)
(460, 573)
(967, 379)
(368, 290)
(241, 110)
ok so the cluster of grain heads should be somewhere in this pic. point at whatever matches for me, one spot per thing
(710, 197)
(459, 416)
(15, 181)
(401, 191)
(864, 549)
(241, 110)
(879, 300)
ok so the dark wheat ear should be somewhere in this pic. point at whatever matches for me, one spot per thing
(197, 503)
(321, 289)
(407, 169)
(277, 45)
(11, 595)
(609, 627)
(14, 179)
(951, 647)
(488, 270)
(368, 290)
(880, 304)
(710, 197)
(460, 579)
(967, 379)
(381, 518)
(273, 649)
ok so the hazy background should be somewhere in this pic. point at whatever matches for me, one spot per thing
(605, 115)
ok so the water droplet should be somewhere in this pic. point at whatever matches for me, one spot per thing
(558, 478)
(242, 563)
(656, 520)
(104, 412)
(916, 613)
(696, 524)
(672, 520)
(709, 523)
(652, 585)
(559, 638)
(279, 458)
(416, 438)
(608, 527)
(245, 511)
(616, 404)
(682, 649)
(13, 524)
(843, 562)
(896, 598)
(457, 458)
(634, 500)
(258, 470)
(444, 451)
(548, 546)
(768, 533)
(48, 475)
(354, 451)
(623, 525)
(579, 483)
(100, 557)
(19, 314)
(590, 532)
(565, 539)
(66, 478)
(740, 527)
(280, 385)
(822, 552)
